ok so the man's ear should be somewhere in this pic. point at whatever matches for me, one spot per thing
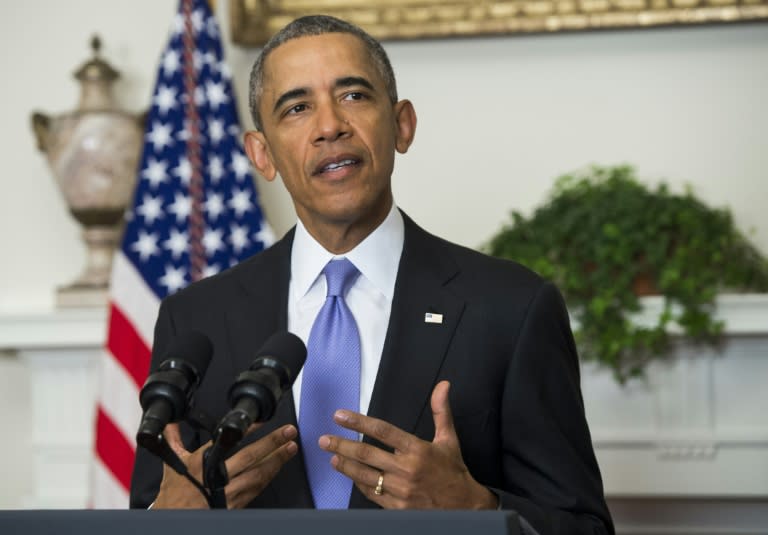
(405, 121)
(258, 153)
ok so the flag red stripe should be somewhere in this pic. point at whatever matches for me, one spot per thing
(127, 346)
(114, 450)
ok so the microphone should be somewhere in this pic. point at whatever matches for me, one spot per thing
(256, 391)
(167, 393)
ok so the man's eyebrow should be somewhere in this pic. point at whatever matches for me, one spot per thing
(288, 95)
(349, 81)
(346, 81)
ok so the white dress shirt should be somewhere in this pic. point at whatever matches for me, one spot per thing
(370, 298)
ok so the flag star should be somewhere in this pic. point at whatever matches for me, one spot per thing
(177, 243)
(215, 169)
(238, 237)
(165, 98)
(151, 208)
(198, 20)
(216, 94)
(211, 270)
(199, 96)
(213, 241)
(210, 60)
(240, 201)
(181, 207)
(198, 60)
(160, 136)
(234, 130)
(265, 234)
(224, 70)
(184, 170)
(216, 130)
(174, 278)
(183, 134)
(211, 27)
(171, 62)
(146, 245)
(240, 165)
(178, 24)
(214, 205)
(156, 172)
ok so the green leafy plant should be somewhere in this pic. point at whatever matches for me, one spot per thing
(606, 239)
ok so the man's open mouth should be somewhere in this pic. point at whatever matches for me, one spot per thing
(334, 164)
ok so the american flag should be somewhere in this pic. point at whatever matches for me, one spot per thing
(195, 213)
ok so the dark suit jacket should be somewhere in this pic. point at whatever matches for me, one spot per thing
(505, 345)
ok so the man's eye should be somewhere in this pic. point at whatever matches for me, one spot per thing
(354, 95)
(298, 108)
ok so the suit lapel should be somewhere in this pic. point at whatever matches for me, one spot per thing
(262, 308)
(414, 349)
(257, 314)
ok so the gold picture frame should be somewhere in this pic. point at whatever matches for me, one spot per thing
(254, 21)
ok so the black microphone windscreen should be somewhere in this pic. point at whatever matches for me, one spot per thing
(286, 348)
(193, 347)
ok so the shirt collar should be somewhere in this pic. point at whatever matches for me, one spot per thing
(376, 257)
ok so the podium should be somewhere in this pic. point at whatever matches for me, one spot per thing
(257, 522)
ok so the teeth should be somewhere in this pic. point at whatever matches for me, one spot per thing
(333, 166)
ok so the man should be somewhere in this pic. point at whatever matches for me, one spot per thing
(469, 383)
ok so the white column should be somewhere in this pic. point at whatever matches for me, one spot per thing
(60, 353)
(63, 390)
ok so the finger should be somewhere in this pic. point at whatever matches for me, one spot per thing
(254, 453)
(441, 414)
(363, 475)
(388, 499)
(172, 434)
(250, 483)
(361, 452)
(253, 427)
(382, 431)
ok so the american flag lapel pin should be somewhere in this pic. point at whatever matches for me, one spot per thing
(432, 317)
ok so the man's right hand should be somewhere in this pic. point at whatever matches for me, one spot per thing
(250, 469)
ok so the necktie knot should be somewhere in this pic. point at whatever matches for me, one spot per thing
(340, 275)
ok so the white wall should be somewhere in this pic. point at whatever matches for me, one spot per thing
(499, 118)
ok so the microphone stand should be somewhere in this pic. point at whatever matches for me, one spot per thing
(215, 476)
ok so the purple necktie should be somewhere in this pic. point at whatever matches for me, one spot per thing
(331, 381)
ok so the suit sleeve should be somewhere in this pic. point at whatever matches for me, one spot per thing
(550, 472)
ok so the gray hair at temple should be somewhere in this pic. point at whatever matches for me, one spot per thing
(317, 25)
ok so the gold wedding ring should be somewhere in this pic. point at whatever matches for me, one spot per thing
(379, 490)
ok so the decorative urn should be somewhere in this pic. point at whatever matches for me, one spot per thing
(93, 152)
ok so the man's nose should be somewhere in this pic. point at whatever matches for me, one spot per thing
(330, 123)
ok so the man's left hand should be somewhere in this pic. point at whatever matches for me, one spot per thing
(419, 474)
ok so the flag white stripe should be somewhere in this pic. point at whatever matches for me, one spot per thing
(107, 493)
(120, 397)
(133, 296)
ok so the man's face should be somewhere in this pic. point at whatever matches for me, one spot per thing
(330, 130)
